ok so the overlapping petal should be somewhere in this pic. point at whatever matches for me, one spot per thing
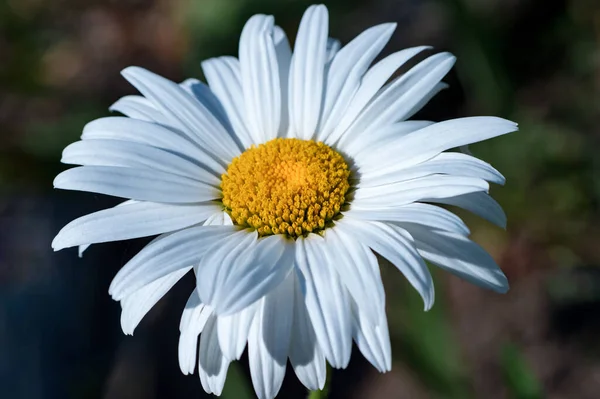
(327, 300)
(239, 270)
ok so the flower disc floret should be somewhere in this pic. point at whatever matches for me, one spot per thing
(286, 186)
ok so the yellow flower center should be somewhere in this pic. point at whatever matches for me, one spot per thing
(285, 186)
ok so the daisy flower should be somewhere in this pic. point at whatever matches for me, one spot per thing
(277, 184)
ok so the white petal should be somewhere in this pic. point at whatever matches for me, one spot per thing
(346, 71)
(461, 256)
(138, 107)
(307, 71)
(260, 78)
(83, 247)
(184, 112)
(233, 332)
(426, 143)
(373, 338)
(219, 219)
(371, 82)
(415, 213)
(224, 78)
(187, 351)
(326, 300)
(132, 220)
(193, 319)
(448, 163)
(405, 192)
(396, 245)
(136, 131)
(134, 183)
(165, 254)
(367, 143)
(306, 356)
(353, 263)
(269, 339)
(136, 305)
(212, 365)
(396, 101)
(134, 155)
(284, 60)
(333, 46)
(426, 96)
(195, 315)
(239, 271)
(480, 203)
(204, 95)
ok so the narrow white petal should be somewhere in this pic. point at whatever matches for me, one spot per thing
(160, 136)
(138, 107)
(193, 319)
(135, 183)
(353, 263)
(134, 155)
(212, 365)
(373, 338)
(396, 245)
(396, 101)
(136, 305)
(184, 112)
(269, 339)
(306, 356)
(284, 60)
(461, 256)
(187, 352)
(425, 97)
(83, 247)
(137, 131)
(333, 46)
(448, 163)
(415, 213)
(219, 219)
(208, 99)
(239, 271)
(233, 332)
(225, 80)
(165, 254)
(405, 192)
(194, 315)
(367, 143)
(307, 71)
(426, 143)
(480, 203)
(346, 71)
(371, 82)
(327, 300)
(260, 78)
(131, 220)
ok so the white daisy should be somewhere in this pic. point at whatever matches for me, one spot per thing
(277, 183)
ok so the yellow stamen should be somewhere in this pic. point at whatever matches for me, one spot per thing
(285, 186)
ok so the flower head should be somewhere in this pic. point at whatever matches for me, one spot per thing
(277, 183)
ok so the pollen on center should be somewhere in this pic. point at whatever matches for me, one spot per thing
(286, 186)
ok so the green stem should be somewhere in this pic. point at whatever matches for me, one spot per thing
(322, 394)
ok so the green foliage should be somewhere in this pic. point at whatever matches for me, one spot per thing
(520, 380)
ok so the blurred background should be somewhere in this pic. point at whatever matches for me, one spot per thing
(533, 61)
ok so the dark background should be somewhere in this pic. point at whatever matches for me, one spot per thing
(533, 61)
